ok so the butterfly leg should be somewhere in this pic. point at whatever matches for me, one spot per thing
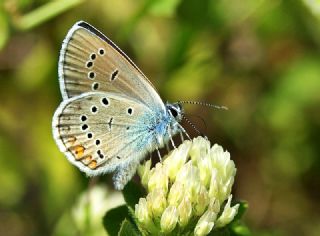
(170, 136)
(123, 174)
(159, 155)
(184, 131)
(181, 136)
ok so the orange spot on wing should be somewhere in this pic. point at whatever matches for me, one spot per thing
(93, 164)
(87, 160)
(78, 151)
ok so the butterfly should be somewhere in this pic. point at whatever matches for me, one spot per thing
(111, 116)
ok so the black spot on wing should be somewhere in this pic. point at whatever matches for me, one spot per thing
(106, 39)
(97, 142)
(84, 127)
(93, 56)
(95, 86)
(114, 75)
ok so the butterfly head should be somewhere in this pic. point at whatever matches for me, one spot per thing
(175, 110)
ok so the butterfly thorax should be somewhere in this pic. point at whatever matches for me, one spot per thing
(167, 124)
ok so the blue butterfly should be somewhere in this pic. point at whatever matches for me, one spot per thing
(111, 116)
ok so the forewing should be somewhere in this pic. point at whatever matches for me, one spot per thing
(89, 61)
(100, 131)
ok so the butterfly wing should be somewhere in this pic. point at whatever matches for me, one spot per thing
(89, 61)
(101, 131)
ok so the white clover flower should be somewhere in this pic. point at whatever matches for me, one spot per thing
(191, 187)
(90, 208)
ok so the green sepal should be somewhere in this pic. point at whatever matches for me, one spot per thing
(128, 229)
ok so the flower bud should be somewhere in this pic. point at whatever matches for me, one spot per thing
(185, 211)
(202, 201)
(144, 172)
(205, 167)
(157, 202)
(176, 159)
(200, 148)
(228, 214)
(169, 219)
(214, 206)
(206, 223)
(158, 179)
(183, 172)
(190, 178)
(214, 185)
(142, 213)
(176, 194)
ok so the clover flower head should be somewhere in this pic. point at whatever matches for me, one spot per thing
(189, 192)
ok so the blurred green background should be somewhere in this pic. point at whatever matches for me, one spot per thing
(261, 58)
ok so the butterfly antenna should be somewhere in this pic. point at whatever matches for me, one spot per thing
(203, 104)
(201, 118)
(192, 125)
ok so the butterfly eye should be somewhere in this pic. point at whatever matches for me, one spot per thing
(173, 112)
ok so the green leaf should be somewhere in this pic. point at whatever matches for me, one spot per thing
(44, 13)
(114, 218)
(128, 229)
(241, 210)
(239, 229)
(132, 192)
(236, 227)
